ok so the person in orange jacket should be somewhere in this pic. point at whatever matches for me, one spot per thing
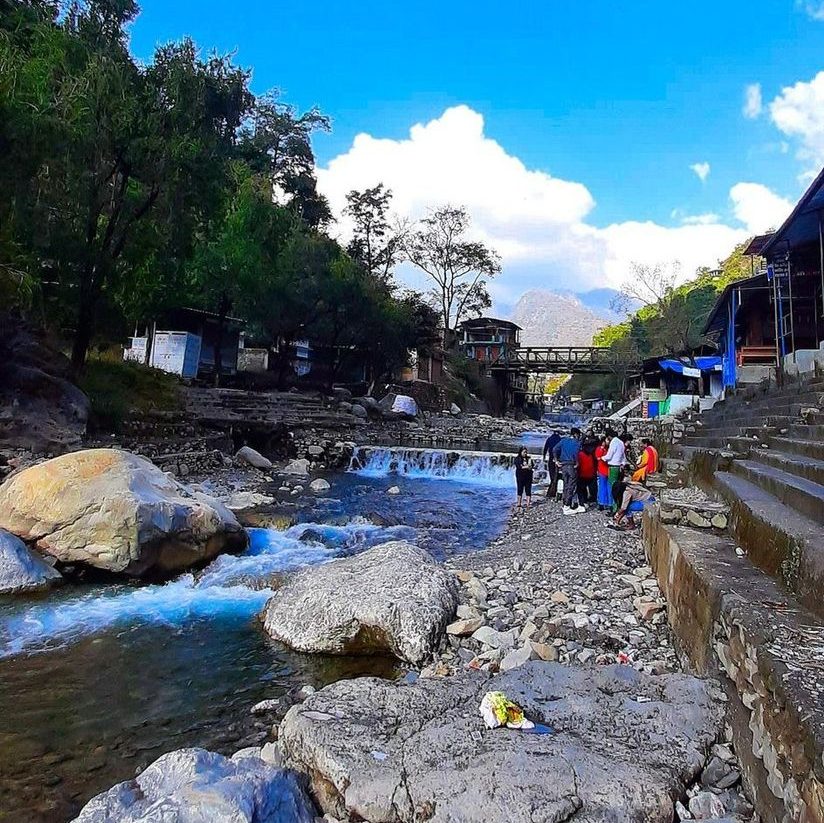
(647, 464)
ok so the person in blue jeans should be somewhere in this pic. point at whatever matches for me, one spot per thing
(631, 499)
(565, 454)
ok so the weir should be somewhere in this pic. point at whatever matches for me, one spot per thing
(478, 467)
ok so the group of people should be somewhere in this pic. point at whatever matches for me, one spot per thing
(593, 471)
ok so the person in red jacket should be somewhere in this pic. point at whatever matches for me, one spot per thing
(604, 491)
(587, 474)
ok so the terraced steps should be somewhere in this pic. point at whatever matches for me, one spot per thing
(798, 493)
(728, 615)
(802, 446)
(785, 544)
(800, 465)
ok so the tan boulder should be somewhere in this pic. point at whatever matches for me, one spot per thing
(116, 511)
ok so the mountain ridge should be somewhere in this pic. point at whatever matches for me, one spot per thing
(557, 318)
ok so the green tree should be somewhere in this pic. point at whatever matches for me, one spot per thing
(459, 268)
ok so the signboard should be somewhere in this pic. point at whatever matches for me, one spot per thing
(656, 395)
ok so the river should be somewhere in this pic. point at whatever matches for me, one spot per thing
(98, 681)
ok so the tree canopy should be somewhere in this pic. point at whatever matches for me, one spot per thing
(128, 189)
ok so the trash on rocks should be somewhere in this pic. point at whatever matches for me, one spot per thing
(498, 710)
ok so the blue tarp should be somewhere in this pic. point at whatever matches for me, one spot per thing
(692, 368)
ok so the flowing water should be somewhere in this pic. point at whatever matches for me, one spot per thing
(98, 681)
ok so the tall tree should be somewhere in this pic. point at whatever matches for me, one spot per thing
(139, 154)
(377, 239)
(459, 268)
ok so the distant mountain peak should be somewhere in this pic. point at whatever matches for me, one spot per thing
(558, 318)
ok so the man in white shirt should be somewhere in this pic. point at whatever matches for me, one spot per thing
(615, 458)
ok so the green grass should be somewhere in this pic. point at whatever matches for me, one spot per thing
(116, 389)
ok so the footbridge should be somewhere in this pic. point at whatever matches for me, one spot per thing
(565, 360)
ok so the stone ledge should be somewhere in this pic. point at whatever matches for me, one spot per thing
(732, 620)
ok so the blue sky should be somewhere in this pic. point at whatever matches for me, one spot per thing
(619, 98)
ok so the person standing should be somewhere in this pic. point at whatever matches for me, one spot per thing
(604, 496)
(524, 470)
(566, 457)
(587, 474)
(615, 458)
(551, 466)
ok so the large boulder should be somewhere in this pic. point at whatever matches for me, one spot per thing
(393, 598)
(40, 408)
(21, 570)
(246, 454)
(623, 746)
(197, 786)
(116, 511)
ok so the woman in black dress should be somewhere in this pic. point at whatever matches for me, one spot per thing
(523, 476)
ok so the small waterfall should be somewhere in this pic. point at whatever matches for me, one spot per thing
(482, 468)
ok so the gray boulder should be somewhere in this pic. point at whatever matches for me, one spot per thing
(320, 485)
(299, 467)
(117, 511)
(246, 454)
(624, 744)
(197, 786)
(359, 411)
(393, 598)
(22, 570)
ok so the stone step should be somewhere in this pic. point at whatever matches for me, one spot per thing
(782, 542)
(803, 495)
(800, 465)
(757, 410)
(806, 431)
(728, 615)
(799, 445)
(739, 444)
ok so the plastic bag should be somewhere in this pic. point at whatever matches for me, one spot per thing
(498, 710)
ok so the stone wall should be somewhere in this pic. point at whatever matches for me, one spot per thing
(733, 622)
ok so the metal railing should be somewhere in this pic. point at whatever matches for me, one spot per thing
(565, 360)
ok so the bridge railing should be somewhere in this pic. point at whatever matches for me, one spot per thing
(565, 359)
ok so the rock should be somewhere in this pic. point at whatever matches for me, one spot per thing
(241, 501)
(393, 490)
(497, 640)
(719, 521)
(477, 591)
(298, 467)
(341, 393)
(463, 628)
(647, 608)
(698, 520)
(454, 409)
(559, 597)
(116, 511)
(197, 786)
(465, 612)
(544, 651)
(359, 411)
(246, 454)
(40, 408)
(705, 805)
(319, 485)
(392, 598)
(316, 452)
(517, 657)
(611, 757)
(21, 570)
(266, 706)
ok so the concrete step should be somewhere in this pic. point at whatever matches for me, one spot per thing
(740, 445)
(799, 445)
(729, 616)
(803, 495)
(782, 542)
(799, 465)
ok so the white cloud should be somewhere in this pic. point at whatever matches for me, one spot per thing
(753, 104)
(708, 219)
(798, 112)
(758, 208)
(702, 170)
(814, 8)
(537, 222)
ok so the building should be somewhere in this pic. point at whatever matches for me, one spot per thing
(184, 341)
(773, 322)
(671, 384)
(486, 339)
